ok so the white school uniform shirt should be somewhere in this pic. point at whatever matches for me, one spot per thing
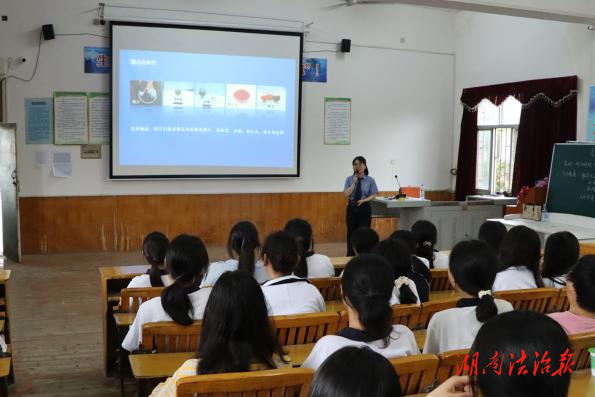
(555, 282)
(151, 311)
(289, 295)
(401, 343)
(423, 260)
(456, 328)
(515, 277)
(320, 266)
(144, 281)
(216, 269)
(440, 260)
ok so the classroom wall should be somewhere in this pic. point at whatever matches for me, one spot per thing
(492, 49)
(401, 100)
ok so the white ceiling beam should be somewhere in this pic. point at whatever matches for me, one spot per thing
(501, 9)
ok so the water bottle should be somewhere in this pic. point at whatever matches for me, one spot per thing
(422, 192)
(545, 216)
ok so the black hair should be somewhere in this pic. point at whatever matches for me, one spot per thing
(363, 239)
(243, 240)
(282, 251)
(355, 372)
(236, 330)
(582, 276)
(418, 266)
(154, 248)
(397, 254)
(473, 265)
(367, 287)
(492, 232)
(301, 230)
(187, 261)
(425, 235)
(361, 159)
(521, 247)
(510, 334)
(560, 253)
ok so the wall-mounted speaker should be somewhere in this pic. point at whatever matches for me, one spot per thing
(345, 45)
(48, 32)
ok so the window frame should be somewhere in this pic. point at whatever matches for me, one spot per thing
(492, 174)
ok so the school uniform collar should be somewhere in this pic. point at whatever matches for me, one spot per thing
(355, 335)
(284, 280)
(161, 272)
(191, 289)
(468, 302)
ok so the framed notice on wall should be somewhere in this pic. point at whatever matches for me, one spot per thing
(337, 121)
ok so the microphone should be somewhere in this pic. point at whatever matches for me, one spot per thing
(399, 195)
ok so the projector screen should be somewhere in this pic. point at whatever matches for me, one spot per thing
(195, 102)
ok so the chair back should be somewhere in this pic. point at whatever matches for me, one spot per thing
(170, 337)
(416, 373)
(450, 363)
(440, 281)
(428, 309)
(287, 382)
(560, 304)
(407, 315)
(132, 298)
(579, 344)
(535, 299)
(329, 287)
(304, 328)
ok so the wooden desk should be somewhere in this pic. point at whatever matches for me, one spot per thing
(582, 384)
(587, 249)
(334, 306)
(339, 263)
(162, 365)
(113, 280)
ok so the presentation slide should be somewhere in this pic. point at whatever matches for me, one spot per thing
(204, 102)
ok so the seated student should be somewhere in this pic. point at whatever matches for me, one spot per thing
(516, 336)
(361, 372)
(236, 333)
(471, 271)
(311, 264)
(154, 247)
(560, 253)
(420, 265)
(492, 232)
(363, 240)
(242, 247)
(286, 293)
(425, 236)
(518, 260)
(580, 287)
(410, 287)
(367, 288)
(183, 301)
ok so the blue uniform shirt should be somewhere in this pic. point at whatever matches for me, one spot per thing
(368, 186)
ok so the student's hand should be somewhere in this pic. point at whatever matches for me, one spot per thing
(455, 386)
(360, 202)
(354, 179)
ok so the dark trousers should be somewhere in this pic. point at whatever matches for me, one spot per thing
(357, 217)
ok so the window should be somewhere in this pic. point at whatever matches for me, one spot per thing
(497, 128)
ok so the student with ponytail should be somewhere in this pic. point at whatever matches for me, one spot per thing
(410, 287)
(471, 271)
(286, 293)
(367, 287)
(518, 260)
(311, 264)
(154, 248)
(183, 301)
(425, 235)
(242, 247)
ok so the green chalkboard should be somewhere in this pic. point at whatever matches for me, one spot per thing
(572, 179)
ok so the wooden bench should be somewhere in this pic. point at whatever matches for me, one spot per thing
(329, 287)
(535, 299)
(416, 373)
(440, 281)
(286, 382)
(579, 344)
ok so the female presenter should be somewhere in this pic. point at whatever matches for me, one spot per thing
(361, 189)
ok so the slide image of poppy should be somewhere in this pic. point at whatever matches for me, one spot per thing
(241, 96)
